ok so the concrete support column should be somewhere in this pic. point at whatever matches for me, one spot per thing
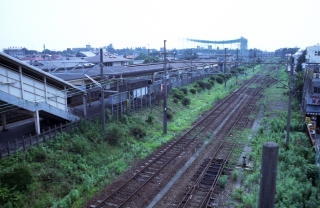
(65, 97)
(153, 77)
(45, 89)
(117, 85)
(21, 82)
(268, 175)
(84, 97)
(4, 121)
(89, 95)
(37, 121)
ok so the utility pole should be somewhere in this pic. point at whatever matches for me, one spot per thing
(237, 66)
(268, 176)
(102, 93)
(224, 68)
(237, 58)
(191, 67)
(148, 55)
(165, 90)
(289, 103)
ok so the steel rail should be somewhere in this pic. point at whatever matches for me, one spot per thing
(186, 201)
(175, 149)
(195, 192)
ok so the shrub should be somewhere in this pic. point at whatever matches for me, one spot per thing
(150, 119)
(20, 178)
(138, 132)
(124, 119)
(79, 145)
(312, 172)
(211, 82)
(37, 154)
(193, 91)
(178, 94)
(114, 134)
(175, 100)
(220, 75)
(212, 78)
(169, 115)
(184, 90)
(185, 101)
(235, 175)
(208, 86)
(219, 80)
(202, 84)
(222, 181)
(108, 114)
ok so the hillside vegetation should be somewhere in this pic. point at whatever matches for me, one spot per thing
(297, 183)
(68, 170)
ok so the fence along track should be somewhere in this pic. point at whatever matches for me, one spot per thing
(125, 192)
(207, 175)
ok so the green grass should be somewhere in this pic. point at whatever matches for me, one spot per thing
(72, 168)
(296, 183)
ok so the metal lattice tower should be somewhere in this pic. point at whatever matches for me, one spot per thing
(242, 41)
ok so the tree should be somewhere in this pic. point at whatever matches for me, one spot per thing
(142, 56)
(301, 60)
(110, 48)
(30, 51)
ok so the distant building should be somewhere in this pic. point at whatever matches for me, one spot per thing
(313, 54)
(311, 87)
(109, 60)
(210, 47)
(17, 52)
(87, 48)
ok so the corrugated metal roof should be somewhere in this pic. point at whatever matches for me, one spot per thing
(106, 58)
(124, 71)
(38, 71)
(88, 53)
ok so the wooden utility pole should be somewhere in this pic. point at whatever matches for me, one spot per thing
(191, 67)
(289, 103)
(224, 68)
(103, 117)
(165, 90)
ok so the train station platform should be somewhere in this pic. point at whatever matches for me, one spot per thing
(25, 128)
(25, 89)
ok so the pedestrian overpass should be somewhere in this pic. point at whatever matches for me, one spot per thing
(28, 90)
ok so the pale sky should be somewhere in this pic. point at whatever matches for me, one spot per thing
(60, 24)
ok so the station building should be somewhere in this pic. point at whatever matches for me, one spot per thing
(311, 93)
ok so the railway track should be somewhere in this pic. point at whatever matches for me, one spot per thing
(206, 177)
(129, 189)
